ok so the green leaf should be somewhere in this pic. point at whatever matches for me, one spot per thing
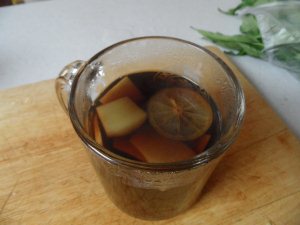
(243, 44)
(244, 4)
(232, 12)
(251, 50)
(216, 36)
(240, 6)
(250, 26)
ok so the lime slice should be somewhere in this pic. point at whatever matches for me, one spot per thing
(179, 113)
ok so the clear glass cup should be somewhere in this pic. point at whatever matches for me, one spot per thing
(152, 191)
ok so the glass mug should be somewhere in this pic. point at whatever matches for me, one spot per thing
(152, 191)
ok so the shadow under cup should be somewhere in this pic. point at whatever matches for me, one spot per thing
(147, 190)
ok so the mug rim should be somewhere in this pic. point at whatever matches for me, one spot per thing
(208, 155)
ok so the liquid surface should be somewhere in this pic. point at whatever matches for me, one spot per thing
(154, 117)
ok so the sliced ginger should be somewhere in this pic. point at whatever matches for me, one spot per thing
(123, 144)
(202, 143)
(120, 117)
(124, 88)
(96, 129)
(158, 149)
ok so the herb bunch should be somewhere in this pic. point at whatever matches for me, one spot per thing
(250, 41)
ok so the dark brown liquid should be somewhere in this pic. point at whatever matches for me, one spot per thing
(150, 83)
(135, 197)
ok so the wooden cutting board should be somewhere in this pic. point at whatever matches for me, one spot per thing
(46, 176)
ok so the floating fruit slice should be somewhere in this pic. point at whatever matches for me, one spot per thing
(158, 149)
(124, 88)
(124, 145)
(179, 113)
(120, 117)
(96, 129)
(202, 143)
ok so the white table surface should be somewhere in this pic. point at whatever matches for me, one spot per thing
(38, 39)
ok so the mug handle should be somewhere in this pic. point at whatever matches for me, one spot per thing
(63, 82)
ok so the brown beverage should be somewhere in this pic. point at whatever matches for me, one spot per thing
(153, 117)
(153, 132)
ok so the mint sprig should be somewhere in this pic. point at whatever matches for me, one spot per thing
(247, 43)
(244, 4)
(250, 41)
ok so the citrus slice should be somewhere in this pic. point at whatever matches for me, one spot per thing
(179, 113)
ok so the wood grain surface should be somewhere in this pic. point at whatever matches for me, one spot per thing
(46, 176)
